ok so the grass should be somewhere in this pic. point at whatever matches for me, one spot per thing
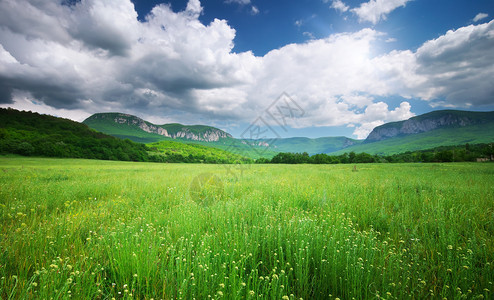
(102, 230)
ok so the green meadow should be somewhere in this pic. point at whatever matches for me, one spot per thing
(102, 229)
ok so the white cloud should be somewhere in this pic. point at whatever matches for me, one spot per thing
(241, 2)
(377, 10)
(378, 113)
(254, 10)
(458, 66)
(480, 16)
(339, 6)
(308, 34)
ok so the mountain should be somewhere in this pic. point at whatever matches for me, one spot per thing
(429, 122)
(435, 129)
(132, 127)
(138, 130)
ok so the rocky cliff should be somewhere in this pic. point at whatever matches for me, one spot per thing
(428, 122)
(175, 131)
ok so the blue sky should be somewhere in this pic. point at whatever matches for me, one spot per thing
(350, 65)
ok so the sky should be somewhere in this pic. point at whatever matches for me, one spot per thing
(311, 68)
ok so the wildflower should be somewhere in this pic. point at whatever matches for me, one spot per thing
(252, 293)
(243, 284)
(220, 293)
(285, 297)
(34, 284)
(222, 285)
(135, 275)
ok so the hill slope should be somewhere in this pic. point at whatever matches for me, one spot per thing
(28, 133)
(313, 146)
(136, 129)
(435, 129)
(173, 151)
(428, 122)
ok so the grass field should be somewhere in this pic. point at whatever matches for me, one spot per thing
(103, 230)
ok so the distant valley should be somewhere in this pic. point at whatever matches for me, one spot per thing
(117, 136)
(138, 130)
(434, 129)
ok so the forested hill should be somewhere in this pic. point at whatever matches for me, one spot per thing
(33, 134)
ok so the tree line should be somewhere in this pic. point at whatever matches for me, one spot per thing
(461, 153)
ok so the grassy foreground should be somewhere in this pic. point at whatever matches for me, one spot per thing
(102, 230)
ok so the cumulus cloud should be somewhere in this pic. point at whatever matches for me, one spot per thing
(480, 16)
(459, 66)
(115, 58)
(377, 10)
(173, 67)
(339, 6)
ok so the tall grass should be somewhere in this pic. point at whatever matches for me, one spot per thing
(102, 230)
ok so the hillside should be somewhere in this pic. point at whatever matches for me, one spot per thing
(32, 134)
(134, 128)
(444, 128)
(138, 130)
(441, 119)
(172, 151)
(314, 146)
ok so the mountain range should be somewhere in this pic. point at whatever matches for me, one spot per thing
(138, 130)
(438, 128)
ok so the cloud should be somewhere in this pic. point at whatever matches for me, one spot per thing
(480, 16)
(458, 66)
(171, 66)
(377, 10)
(241, 2)
(339, 6)
(254, 10)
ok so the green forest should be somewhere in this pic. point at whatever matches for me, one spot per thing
(32, 134)
(461, 153)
